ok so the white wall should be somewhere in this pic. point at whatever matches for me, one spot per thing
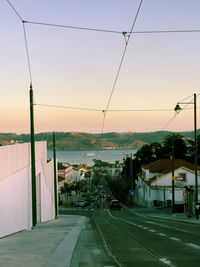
(15, 187)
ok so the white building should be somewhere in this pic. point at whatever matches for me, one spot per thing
(70, 175)
(16, 189)
(154, 185)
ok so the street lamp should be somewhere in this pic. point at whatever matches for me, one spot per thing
(178, 109)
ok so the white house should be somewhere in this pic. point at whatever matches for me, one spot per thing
(70, 175)
(16, 189)
(154, 185)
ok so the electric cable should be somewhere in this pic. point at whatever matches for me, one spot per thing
(71, 27)
(27, 53)
(67, 107)
(120, 65)
(111, 31)
(185, 107)
(25, 39)
(14, 10)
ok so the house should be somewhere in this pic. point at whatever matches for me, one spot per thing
(70, 175)
(16, 187)
(154, 185)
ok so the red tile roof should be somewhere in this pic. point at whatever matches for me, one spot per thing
(165, 165)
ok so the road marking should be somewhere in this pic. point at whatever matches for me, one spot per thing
(174, 228)
(152, 230)
(166, 261)
(175, 239)
(161, 234)
(193, 245)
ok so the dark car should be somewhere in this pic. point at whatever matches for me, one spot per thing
(80, 203)
(115, 204)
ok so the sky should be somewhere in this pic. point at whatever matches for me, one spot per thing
(78, 68)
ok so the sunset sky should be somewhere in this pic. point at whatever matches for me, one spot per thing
(77, 68)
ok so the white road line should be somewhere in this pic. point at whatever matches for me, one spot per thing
(174, 238)
(166, 261)
(174, 228)
(161, 234)
(152, 230)
(193, 245)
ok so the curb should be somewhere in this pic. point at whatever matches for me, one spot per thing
(63, 254)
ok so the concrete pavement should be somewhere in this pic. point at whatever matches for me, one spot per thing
(48, 244)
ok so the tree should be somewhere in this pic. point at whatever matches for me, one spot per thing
(149, 153)
(180, 146)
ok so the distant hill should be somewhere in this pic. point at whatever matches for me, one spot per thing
(88, 141)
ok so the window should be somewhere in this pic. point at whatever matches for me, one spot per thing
(182, 176)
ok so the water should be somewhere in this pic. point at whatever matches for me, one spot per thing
(78, 156)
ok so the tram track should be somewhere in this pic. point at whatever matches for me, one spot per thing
(117, 230)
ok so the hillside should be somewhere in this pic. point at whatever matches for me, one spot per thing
(88, 141)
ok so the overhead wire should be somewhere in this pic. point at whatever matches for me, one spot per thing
(120, 65)
(111, 31)
(25, 39)
(72, 27)
(14, 10)
(127, 38)
(185, 107)
(67, 107)
(27, 53)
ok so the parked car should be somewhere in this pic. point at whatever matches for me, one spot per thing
(80, 203)
(115, 204)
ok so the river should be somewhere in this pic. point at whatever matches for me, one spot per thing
(87, 156)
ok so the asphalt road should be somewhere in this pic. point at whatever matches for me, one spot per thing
(122, 238)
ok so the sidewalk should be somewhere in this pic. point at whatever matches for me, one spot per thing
(163, 214)
(48, 244)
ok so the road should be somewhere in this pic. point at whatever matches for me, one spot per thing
(122, 238)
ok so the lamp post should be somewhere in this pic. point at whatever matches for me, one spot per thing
(177, 109)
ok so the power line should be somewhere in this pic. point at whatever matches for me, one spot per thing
(138, 110)
(67, 107)
(14, 10)
(121, 61)
(27, 53)
(71, 27)
(166, 31)
(169, 121)
(185, 107)
(111, 31)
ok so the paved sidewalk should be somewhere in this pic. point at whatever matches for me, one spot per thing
(48, 244)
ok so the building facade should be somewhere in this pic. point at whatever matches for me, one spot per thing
(154, 185)
(16, 187)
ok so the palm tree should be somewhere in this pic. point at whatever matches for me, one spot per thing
(180, 146)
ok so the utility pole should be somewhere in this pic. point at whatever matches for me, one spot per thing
(55, 176)
(173, 192)
(195, 153)
(131, 177)
(33, 172)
